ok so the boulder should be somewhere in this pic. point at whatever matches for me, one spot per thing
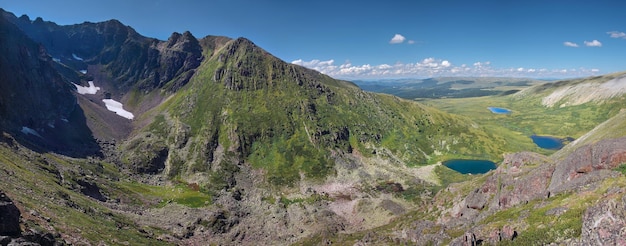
(585, 161)
(9, 217)
(604, 223)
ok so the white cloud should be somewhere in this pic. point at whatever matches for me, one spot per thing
(616, 34)
(434, 67)
(410, 42)
(594, 43)
(397, 39)
(570, 44)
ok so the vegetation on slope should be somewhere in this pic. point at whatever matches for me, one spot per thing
(529, 116)
(290, 121)
(61, 195)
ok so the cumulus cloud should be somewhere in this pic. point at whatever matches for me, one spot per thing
(397, 39)
(594, 43)
(434, 67)
(570, 44)
(617, 34)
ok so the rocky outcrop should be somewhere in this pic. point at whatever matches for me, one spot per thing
(179, 56)
(604, 223)
(524, 177)
(9, 217)
(588, 164)
(11, 232)
(521, 177)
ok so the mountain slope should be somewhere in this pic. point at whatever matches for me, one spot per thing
(251, 129)
(36, 103)
(573, 197)
(244, 100)
(132, 69)
(133, 61)
(566, 93)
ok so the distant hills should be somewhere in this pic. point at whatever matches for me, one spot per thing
(447, 87)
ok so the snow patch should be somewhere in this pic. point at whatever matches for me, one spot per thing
(76, 57)
(30, 131)
(92, 89)
(83, 71)
(56, 59)
(118, 108)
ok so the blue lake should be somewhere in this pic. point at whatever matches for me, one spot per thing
(547, 142)
(470, 166)
(499, 110)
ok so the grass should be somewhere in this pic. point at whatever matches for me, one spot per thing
(182, 194)
(534, 227)
(288, 121)
(299, 200)
(529, 117)
(621, 168)
(46, 183)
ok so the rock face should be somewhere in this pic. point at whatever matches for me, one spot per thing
(585, 164)
(526, 176)
(514, 182)
(134, 61)
(31, 92)
(604, 223)
(36, 102)
(9, 217)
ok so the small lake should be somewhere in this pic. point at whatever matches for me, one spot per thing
(547, 142)
(499, 110)
(470, 166)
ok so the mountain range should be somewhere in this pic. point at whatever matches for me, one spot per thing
(110, 137)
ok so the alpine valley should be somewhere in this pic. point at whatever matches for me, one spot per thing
(113, 138)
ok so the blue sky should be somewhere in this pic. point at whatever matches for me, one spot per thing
(386, 39)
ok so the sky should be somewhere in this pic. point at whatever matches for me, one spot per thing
(373, 39)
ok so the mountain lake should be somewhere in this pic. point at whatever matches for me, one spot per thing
(496, 110)
(465, 166)
(547, 142)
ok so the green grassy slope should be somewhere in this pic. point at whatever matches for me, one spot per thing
(557, 219)
(530, 116)
(289, 120)
(50, 191)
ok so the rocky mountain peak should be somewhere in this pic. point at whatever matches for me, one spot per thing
(185, 42)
